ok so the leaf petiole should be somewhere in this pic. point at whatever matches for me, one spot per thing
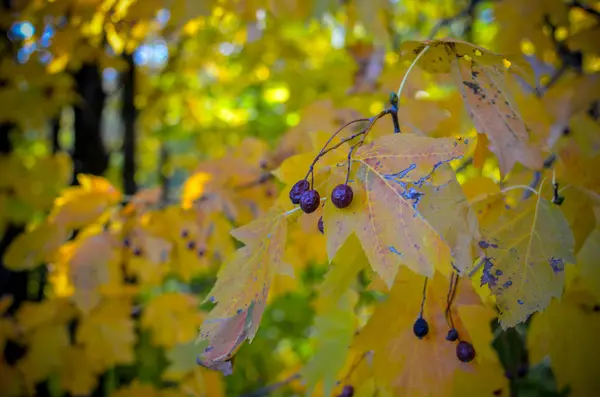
(423, 51)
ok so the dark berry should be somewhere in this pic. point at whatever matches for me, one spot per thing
(297, 190)
(185, 233)
(309, 201)
(465, 351)
(522, 370)
(347, 391)
(320, 225)
(137, 251)
(191, 245)
(201, 252)
(342, 196)
(127, 242)
(452, 335)
(420, 328)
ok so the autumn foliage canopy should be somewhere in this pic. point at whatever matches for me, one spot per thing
(371, 198)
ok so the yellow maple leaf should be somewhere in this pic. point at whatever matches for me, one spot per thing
(137, 389)
(44, 351)
(181, 309)
(107, 334)
(31, 248)
(568, 332)
(78, 374)
(81, 205)
(242, 287)
(33, 315)
(393, 174)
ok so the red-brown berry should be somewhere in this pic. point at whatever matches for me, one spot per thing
(465, 351)
(309, 201)
(342, 196)
(320, 225)
(297, 190)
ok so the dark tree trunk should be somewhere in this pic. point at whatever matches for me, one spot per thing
(89, 154)
(55, 130)
(129, 114)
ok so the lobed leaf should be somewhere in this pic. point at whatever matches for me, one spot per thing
(527, 269)
(242, 289)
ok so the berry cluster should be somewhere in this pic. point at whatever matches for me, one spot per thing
(465, 351)
(309, 199)
(303, 192)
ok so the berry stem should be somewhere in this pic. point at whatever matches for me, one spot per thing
(364, 132)
(424, 297)
(350, 161)
(450, 299)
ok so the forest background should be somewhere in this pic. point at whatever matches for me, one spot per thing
(136, 135)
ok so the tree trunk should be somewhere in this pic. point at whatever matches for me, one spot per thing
(89, 154)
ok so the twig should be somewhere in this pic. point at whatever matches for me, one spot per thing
(468, 11)
(364, 131)
(271, 388)
(264, 178)
(537, 175)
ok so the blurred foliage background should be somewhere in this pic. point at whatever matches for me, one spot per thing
(146, 94)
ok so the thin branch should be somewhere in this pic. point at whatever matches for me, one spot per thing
(468, 11)
(585, 7)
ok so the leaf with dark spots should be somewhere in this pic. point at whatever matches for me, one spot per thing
(531, 235)
(481, 81)
(487, 277)
(557, 264)
(473, 86)
(394, 175)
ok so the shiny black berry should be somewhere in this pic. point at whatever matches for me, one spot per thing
(342, 196)
(465, 351)
(420, 328)
(137, 251)
(127, 242)
(297, 190)
(320, 225)
(191, 245)
(185, 233)
(201, 252)
(309, 201)
(452, 335)
(347, 391)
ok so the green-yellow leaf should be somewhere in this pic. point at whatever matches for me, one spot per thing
(527, 269)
